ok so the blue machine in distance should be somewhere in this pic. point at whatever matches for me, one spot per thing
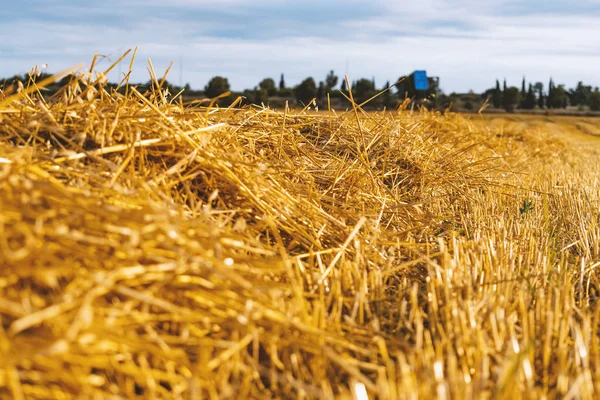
(418, 86)
(420, 80)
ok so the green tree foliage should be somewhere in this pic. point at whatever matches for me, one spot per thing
(580, 95)
(523, 94)
(321, 91)
(510, 98)
(363, 90)
(268, 85)
(344, 89)
(557, 97)
(386, 97)
(539, 89)
(281, 83)
(330, 81)
(529, 101)
(216, 86)
(286, 92)
(541, 101)
(595, 100)
(261, 96)
(65, 80)
(249, 97)
(306, 91)
(497, 96)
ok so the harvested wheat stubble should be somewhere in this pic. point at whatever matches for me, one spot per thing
(154, 250)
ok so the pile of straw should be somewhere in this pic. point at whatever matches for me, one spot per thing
(154, 250)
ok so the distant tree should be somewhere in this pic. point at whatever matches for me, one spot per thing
(557, 97)
(65, 80)
(504, 87)
(268, 85)
(595, 100)
(343, 89)
(541, 100)
(281, 83)
(488, 94)
(216, 86)
(286, 92)
(510, 98)
(306, 91)
(538, 87)
(468, 104)
(261, 95)
(321, 90)
(330, 81)
(580, 96)
(363, 90)
(523, 94)
(386, 97)
(497, 96)
(529, 102)
(169, 87)
(250, 96)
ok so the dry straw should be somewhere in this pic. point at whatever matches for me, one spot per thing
(154, 249)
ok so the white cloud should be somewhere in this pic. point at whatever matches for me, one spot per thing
(468, 44)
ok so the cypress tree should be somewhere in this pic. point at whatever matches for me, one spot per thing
(497, 97)
(386, 97)
(529, 101)
(523, 104)
(550, 97)
(281, 83)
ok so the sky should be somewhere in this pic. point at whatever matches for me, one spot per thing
(467, 44)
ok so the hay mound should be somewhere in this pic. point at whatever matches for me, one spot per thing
(151, 249)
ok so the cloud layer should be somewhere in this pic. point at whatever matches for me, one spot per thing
(468, 44)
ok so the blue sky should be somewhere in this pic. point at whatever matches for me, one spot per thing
(468, 44)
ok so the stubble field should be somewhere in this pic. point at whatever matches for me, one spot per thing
(153, 250)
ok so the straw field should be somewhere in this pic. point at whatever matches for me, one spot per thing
(153, 250)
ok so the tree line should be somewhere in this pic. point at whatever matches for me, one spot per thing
(309, 92)
(533, 95)
(333, 91)
(529, 97)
